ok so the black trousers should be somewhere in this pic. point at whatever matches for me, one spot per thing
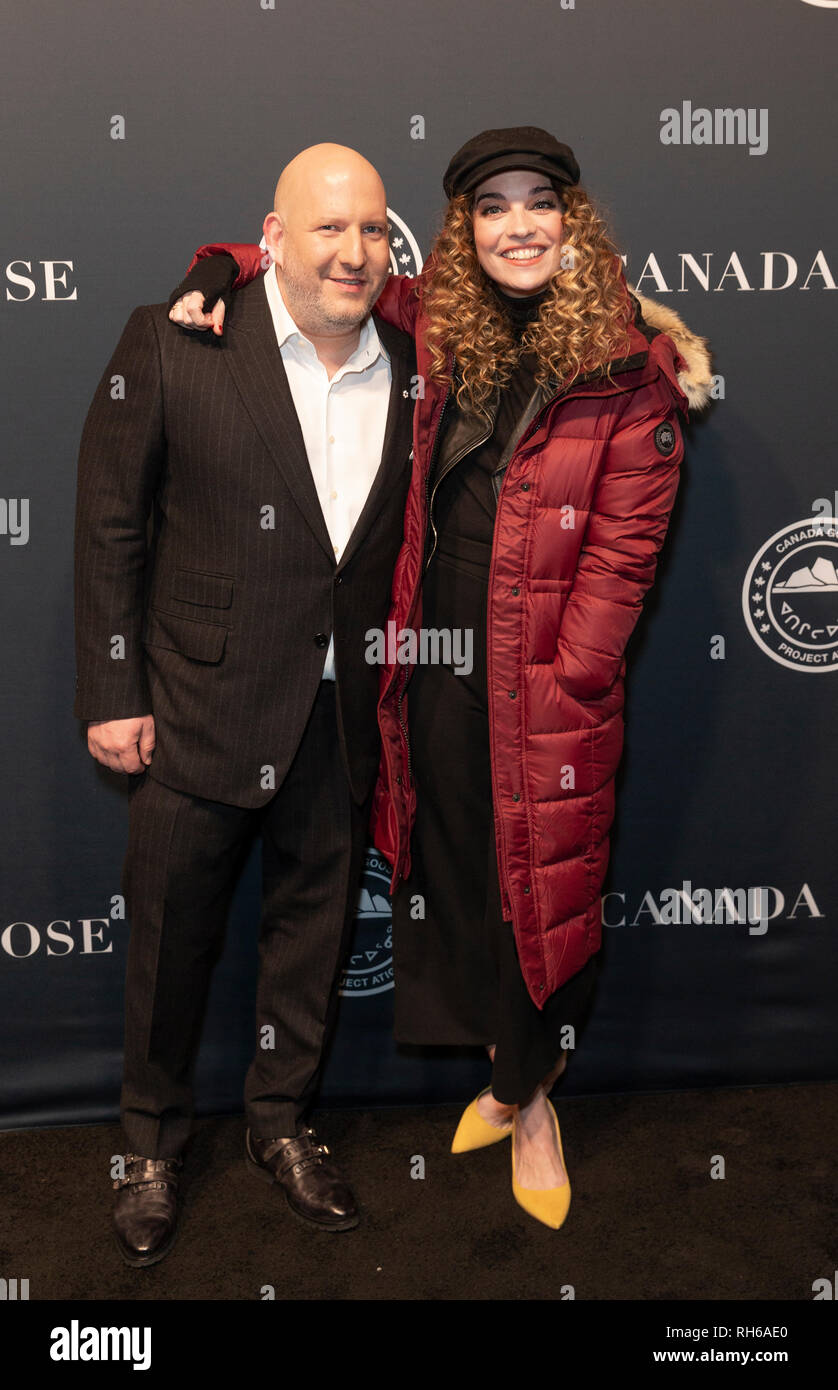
(184, 855)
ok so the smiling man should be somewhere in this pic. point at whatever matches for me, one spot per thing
(330, 273)
(221, 664)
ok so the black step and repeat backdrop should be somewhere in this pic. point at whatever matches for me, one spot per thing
(706, 133)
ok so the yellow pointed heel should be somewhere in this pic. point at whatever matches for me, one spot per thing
(549, 1205)
(473, 1132)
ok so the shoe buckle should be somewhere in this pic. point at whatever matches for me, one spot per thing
(156, 1165)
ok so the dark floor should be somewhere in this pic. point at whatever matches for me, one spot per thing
(647, 1221)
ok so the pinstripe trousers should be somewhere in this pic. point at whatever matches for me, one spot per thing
(184, 856)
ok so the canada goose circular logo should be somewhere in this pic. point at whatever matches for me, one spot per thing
(664, 439)
(405, 256)
(369, 969)
(790, 595)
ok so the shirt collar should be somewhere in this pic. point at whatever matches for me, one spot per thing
(369, 348)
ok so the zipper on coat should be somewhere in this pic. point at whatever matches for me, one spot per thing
(399, 711)
(429, 475)
(403, 726)
(452, 463)
(500, 830)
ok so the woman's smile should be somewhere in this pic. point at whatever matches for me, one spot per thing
(510, 209)
(523, 253)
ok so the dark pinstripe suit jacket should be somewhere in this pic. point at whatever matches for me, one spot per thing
(205, 580)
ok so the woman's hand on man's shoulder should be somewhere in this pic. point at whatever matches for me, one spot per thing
(189, 313)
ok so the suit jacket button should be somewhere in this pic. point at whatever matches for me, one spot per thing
(321, 640)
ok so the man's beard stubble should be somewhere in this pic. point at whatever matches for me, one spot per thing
(306, 302)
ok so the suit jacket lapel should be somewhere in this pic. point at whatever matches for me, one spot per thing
(255, 363)
(398, 434)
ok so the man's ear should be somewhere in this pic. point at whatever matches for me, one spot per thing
(273, 231)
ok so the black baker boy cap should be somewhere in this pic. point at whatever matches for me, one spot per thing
(517, 147)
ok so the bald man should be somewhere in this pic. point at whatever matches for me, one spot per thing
(239, 513)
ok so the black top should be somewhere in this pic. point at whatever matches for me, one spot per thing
(464, 504)
(213, 276)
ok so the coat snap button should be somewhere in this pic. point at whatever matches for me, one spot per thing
(516, 591)
(525, 487)
(513, 694)
(527, 888)
(516, 796)
(398, 779)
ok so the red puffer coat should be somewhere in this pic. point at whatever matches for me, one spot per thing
(582, 515)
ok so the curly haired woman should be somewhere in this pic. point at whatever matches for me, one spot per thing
(548, 439)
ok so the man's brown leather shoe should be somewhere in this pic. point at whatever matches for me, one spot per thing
(314, 1187)
(145, 1210)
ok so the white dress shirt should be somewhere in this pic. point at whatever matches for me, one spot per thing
(342, 420)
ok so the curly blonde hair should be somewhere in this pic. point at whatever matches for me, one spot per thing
(582, 323)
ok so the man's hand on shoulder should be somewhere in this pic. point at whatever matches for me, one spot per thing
(189, 313)
(124, 745)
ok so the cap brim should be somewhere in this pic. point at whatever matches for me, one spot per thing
(503, 163)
